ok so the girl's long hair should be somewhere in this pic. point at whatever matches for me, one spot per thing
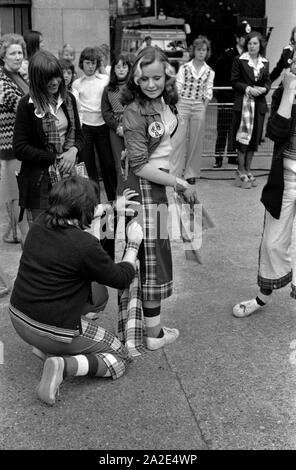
(147, 56)
(113, 83)
(44, 66)
(32, 40)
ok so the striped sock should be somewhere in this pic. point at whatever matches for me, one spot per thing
(88, 364)
(152, 322)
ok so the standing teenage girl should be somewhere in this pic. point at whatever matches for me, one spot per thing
(149, 120)
(112, 110)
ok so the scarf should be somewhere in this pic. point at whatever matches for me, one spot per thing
(245, 130)
(53, 141)
(131, 324)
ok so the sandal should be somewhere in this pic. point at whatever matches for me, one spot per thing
(253, 180)
(242, 181)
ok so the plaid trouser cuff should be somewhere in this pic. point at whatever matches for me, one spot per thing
(272, 284)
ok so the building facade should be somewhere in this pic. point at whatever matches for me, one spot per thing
(78, 22)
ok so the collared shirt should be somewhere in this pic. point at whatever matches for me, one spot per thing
(195, 85)
(256, 67)
(59, 115)
(90, 91)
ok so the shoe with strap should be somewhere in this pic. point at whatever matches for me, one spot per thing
(51, 379)
(169, 336)
(252, 179)
(246, 308)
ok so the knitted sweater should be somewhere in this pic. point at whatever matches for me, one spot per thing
(195, 86)
(10, 94)
(56, 270)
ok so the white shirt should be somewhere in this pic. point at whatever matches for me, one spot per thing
(90, 91)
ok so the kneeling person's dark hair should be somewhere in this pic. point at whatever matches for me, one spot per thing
(72, 199)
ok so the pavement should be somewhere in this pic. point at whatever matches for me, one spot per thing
(226, 383)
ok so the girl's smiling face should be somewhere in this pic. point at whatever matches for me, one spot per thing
(152, 80)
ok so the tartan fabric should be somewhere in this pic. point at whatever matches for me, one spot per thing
(274, 283)
(244, 133)
(116, 356)
(53, 141)
(152, 289)
(131, 326)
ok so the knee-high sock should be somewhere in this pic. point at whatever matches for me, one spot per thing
(152, 322)
(88, 364)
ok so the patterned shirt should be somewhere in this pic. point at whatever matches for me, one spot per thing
(193, 85)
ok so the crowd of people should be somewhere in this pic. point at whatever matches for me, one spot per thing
(139, 126)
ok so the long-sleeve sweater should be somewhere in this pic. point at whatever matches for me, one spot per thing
(56, 269)
(195, 86)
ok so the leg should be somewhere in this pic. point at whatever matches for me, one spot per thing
(221, 135)
(274, 259)
(196, 136)
(106, 161)
(88, 153)
(117, 146)
(248, 162)
(179, 140)
(157, 335)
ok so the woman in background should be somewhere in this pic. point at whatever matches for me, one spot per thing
(34, 42)
(251, 82)
(12, 88)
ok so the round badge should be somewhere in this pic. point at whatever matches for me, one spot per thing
(156, 129)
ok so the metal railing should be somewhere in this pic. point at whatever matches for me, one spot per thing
(225, 118)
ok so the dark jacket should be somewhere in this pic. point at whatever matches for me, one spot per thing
(140, 144)
(30, 147)
(112, 109)
(279, 130)
(222, 70)
(283, 63)
(242, 76)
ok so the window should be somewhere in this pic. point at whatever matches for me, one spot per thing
(15, 16)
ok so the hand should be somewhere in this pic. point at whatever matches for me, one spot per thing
(253, 91)
(190, 194)
(123, 202)
(119, 131)
(67, 160)
(261, 89)
(134, 232)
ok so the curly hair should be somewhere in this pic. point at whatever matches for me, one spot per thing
(147, 56)
(125, 59)
(199, 42)
(10, 39)
(255, 34)
(72, 199)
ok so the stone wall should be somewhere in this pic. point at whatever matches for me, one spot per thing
(78, 22)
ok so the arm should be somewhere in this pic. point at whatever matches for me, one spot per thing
(279, 122)
(209, 85)
(236, 82)
(9, 99)
(98, 266)
(107, 111)
(23, 148)
(278, 68)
